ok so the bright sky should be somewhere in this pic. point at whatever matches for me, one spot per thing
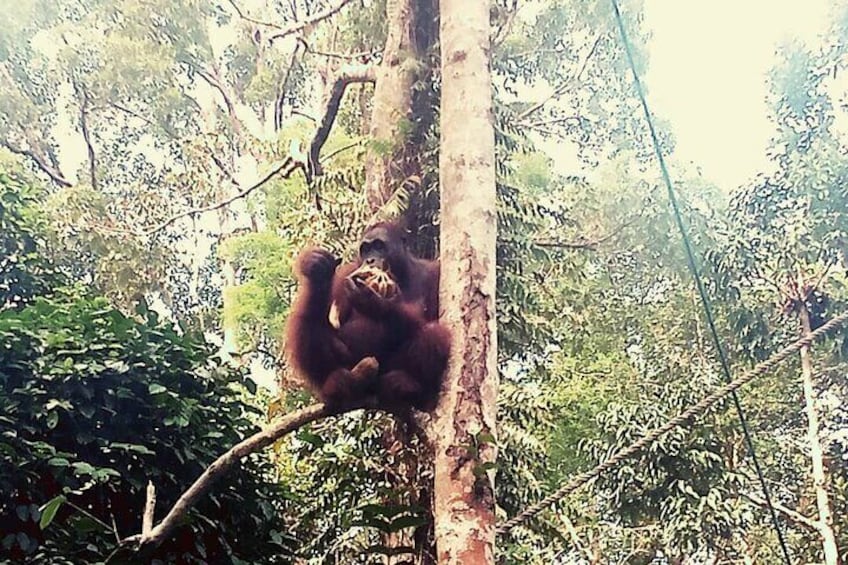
(707, 75)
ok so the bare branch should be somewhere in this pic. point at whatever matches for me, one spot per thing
(281, 92)
(303, 114)
(247, 18)
(284, 169)
(54, 173)
(568, 83)
(505, 27)
(349, 74)
(342, 149)
(220, 467)
(587, 244)
(130, 112)
(149, 509)
(223, 168)
(313, 19)
(215, 82)
(86, 135)
(792, 515)
(552, 121)
(366, 55)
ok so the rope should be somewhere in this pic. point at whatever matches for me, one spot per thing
(685, 418)
(705, 301)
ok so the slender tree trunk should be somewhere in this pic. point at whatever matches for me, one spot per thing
(465, 421)
(831, 553)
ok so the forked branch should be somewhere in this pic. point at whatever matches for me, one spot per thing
(788, 513)
(347, 75)
(151, 538)
(285, 169)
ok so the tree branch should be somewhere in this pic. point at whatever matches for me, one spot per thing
(343, 148)
(130, 112)
(215, 82)
(349, 74)
(792, 515)
(362, 56)
(552, 121)
(54, 173)
(293, 162)
(313, 19)
(590, 244)
(562, 88)
(223, 168)
(247, 18)
(220, 467)
(86, 135)
(149, 509)
(279, 103)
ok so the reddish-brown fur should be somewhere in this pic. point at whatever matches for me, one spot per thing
(402, 333)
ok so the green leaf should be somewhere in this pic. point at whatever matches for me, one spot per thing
(58, 462)
(404, 522)
(83, 468)
(485, 438)
(310, 438)
(132, 447)
(156, 388)
(49, 509)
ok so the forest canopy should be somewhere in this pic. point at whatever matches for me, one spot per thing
(163, 163)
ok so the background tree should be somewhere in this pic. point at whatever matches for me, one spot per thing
(96, 404)
(187, 151)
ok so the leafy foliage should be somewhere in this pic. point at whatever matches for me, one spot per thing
(94, 405)
(24, 272)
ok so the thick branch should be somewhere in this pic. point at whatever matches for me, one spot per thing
(149, 510)
(561, 89)
(792, 515)
(313, 19)
(54, 173)
(347, 75)
(285, 169)
(219, 468)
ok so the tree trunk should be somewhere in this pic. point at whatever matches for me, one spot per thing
(465, 421)
(831, 553)
(390, 159)
(387, 160)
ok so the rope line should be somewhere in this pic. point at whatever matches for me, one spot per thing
(705, 301)
(685, 418)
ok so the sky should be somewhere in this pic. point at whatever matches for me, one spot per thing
(707, 76)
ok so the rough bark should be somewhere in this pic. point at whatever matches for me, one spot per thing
(391, 114)
(825, 521)
(465, 420)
